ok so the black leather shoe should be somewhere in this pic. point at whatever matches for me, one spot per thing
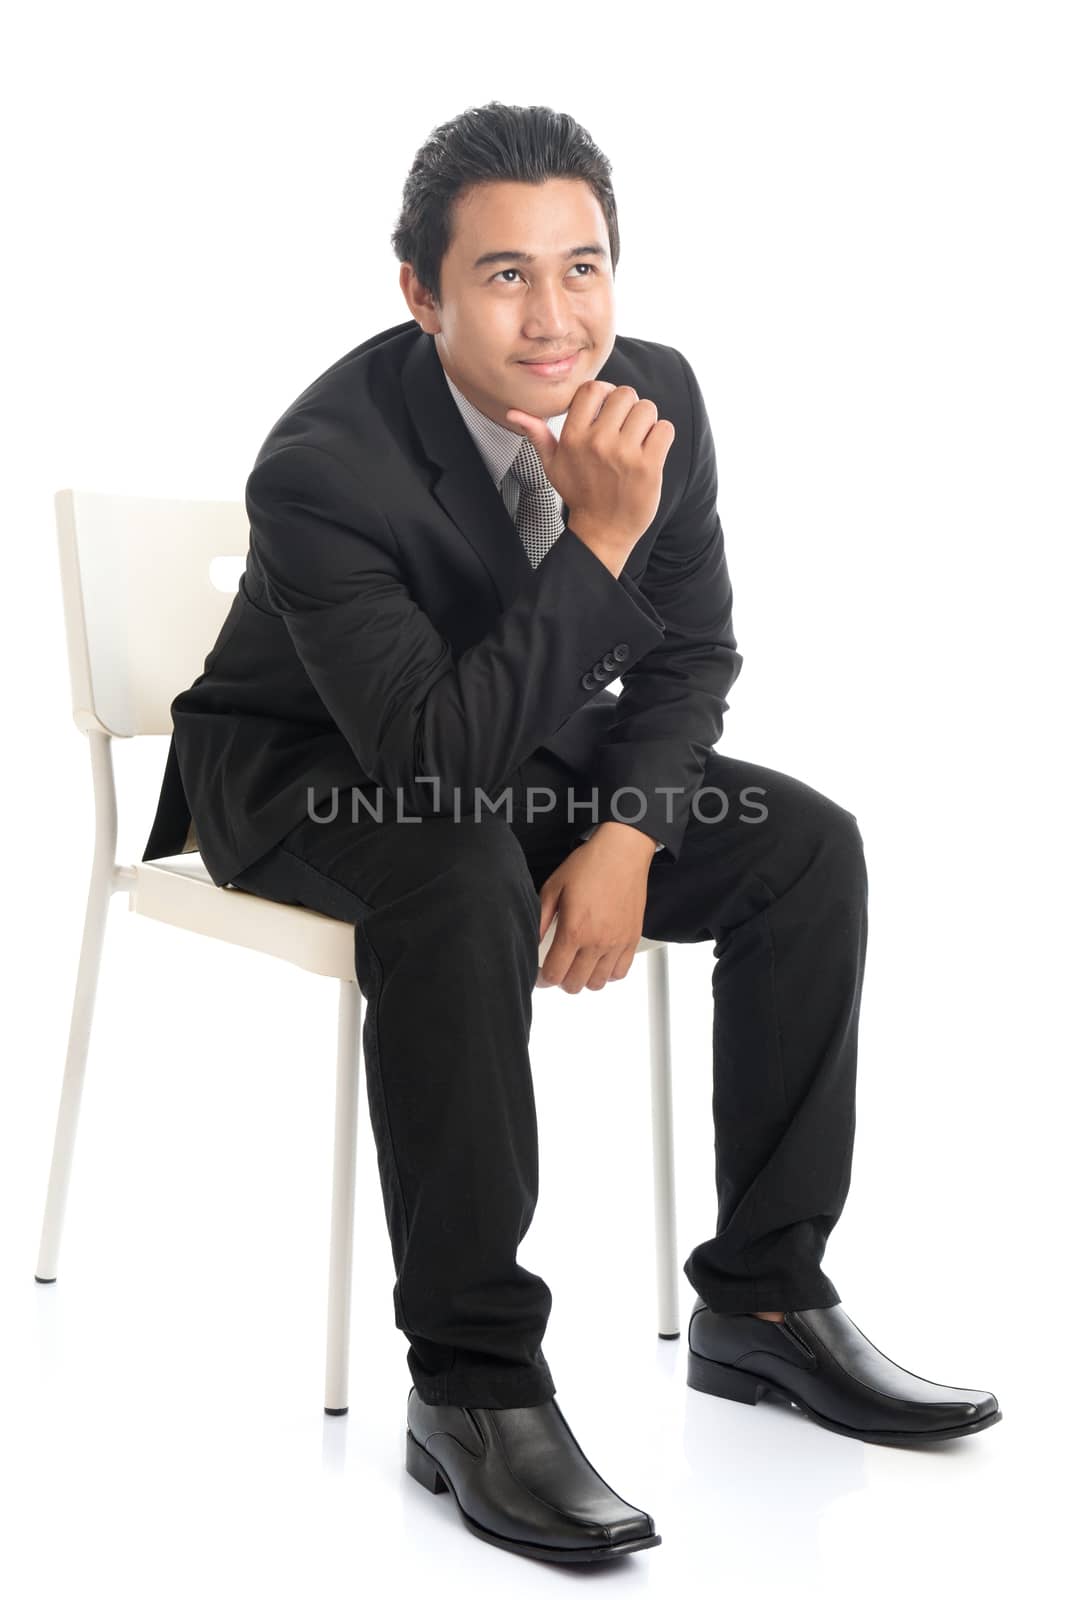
(823, 1363)
(521, 1481)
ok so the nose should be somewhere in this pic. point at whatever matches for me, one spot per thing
(546, 314)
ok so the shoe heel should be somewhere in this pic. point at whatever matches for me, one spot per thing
(712, 1377)
(422, 1466)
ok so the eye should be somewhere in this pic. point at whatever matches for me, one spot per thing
(587, 265)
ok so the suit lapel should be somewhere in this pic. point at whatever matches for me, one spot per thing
(464, 490)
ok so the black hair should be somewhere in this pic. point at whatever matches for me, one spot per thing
(491, 144)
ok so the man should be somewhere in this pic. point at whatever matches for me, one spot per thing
(459, 534)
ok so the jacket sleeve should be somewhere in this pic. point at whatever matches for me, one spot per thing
(671, 704)
(420, 722)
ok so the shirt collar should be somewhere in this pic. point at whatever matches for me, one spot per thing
(497, 445)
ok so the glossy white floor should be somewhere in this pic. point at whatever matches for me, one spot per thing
(162, 1424)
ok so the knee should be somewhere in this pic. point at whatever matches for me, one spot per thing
(842, 826)
(822, 828)
(482, 873)
(842, 841)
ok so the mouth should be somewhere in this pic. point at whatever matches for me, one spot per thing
(559, 367)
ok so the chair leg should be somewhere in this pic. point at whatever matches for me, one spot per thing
(339, 1304)
(663, 1145)
(101, 887)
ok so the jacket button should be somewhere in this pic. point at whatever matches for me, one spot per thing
(608, 662)
(599, 673)
(589, 682)
(621, 652)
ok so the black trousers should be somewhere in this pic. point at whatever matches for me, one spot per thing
(447, 913)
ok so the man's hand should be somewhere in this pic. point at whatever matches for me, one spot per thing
(607, 465)
(597, 894)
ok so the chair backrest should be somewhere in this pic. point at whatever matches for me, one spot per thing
(141, 608)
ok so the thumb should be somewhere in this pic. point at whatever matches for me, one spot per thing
(537, 430)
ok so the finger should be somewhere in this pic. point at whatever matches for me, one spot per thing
(578, 974)
(658, 440)
(623, 964)
(619, 405)
(520, 419)
(558, 960)
(588, 400)
(639, 421)
(602, 972)
(537, 430)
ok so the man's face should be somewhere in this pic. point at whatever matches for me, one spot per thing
(494, 316)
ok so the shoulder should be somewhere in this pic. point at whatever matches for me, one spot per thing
(339, 412)
(659, 367)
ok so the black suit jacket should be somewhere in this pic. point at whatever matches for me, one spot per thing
(389, 625)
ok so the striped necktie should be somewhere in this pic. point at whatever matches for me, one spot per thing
(538, 516)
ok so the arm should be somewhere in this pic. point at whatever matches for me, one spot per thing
(387, 677)
(671, 704)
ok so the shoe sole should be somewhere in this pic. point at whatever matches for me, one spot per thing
(731, 1383)
(428, 1471)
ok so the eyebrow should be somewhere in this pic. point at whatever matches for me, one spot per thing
(520, 255)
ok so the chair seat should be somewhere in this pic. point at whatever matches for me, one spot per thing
(180, 890)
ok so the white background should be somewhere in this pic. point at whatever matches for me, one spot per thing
(850, 217)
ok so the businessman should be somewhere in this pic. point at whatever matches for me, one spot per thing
(460, 534)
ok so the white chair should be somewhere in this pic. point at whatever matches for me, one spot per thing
(141, 616)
